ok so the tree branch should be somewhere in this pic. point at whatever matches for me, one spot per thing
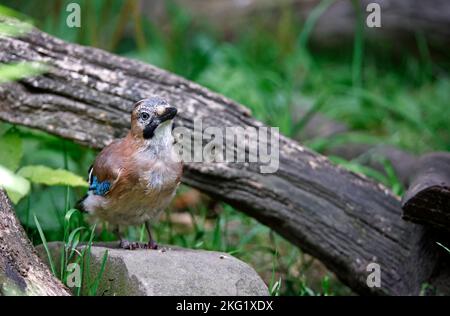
(427, 200)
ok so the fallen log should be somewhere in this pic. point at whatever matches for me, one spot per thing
(427, 200)
(342, 218)
(21, 270)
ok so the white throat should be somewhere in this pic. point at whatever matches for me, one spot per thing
(161, 144)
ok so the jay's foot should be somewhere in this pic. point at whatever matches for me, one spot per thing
(152, 245)
(125, 244)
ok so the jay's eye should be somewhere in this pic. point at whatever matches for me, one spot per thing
(144, 116)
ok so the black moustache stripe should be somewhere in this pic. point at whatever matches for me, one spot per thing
(149, 129)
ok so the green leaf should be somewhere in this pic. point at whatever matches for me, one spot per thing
(12, 151)
(14, 23)
(7, 11)
(49, 176)
(16, 186)
(12, 72)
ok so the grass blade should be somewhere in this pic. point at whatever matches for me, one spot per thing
(44, 243)
(448, 250)
(94, 288)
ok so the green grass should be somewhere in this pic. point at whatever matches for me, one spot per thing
(446, 248)
(71, 253)
(384, 97)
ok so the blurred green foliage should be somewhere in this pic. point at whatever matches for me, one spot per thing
(384, 96)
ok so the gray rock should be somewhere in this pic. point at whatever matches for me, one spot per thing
(175, 271)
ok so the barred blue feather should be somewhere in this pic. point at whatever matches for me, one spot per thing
(99, 188)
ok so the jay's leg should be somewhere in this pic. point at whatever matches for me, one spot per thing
(151, 243)
(123, 243)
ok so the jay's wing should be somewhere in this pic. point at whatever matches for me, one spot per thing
(106, 170)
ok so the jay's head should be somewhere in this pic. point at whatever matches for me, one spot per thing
(152, 116)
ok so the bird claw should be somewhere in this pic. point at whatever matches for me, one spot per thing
(152, 245)
(125, 244)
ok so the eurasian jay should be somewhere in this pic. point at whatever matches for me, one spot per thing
(134, 178)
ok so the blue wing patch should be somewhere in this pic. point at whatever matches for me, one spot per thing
(99, 188)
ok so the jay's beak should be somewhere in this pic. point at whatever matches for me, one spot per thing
(167, 114)
(163, 114)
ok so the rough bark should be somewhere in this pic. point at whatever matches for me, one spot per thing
(21, 271)
(340, 217)
(427, 200)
